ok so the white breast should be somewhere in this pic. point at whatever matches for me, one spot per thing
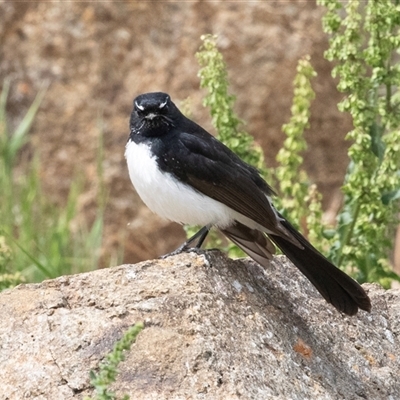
(168, 197)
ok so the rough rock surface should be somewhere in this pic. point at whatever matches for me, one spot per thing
(215, 329)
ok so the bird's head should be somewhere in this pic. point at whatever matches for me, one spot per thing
(152, 112)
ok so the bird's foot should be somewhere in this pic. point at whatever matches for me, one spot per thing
(196, 250)
(181, 249)
(184, 248)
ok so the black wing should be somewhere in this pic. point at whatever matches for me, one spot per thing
(211, 168)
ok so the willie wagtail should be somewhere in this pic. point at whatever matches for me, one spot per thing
(184, 174)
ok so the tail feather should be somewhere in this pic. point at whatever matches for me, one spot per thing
(335, 286)
(251, 241)
(343, 292)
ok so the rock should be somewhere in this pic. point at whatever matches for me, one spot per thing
(215, 328)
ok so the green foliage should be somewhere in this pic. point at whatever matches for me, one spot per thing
(7, 278)
(40, 239)
(299, 199)
(293, 181)
(108, 369)
(214, 78)
(318, 233)
(364, 42)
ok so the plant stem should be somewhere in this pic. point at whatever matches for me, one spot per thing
(348, 233)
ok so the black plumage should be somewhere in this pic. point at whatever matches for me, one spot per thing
(186, 153)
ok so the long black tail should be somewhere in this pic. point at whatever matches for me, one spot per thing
(334, 285)
(343, 292)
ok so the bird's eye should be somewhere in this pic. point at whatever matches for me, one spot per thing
(163, 104)
(138, 107)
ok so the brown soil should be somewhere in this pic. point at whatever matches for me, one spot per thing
(97, 57)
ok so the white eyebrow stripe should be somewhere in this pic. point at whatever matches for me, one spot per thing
(163, 104)
(141, 108)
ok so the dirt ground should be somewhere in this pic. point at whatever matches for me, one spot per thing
(97, 57)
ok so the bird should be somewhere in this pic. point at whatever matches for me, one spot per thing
(186, 175)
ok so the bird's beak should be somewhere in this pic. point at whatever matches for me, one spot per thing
(151, 116)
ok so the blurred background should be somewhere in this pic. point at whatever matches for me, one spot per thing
(94, 58)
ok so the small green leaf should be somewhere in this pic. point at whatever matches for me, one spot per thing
(390, 196)
(378, 147)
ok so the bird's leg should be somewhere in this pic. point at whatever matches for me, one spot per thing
(200, 235)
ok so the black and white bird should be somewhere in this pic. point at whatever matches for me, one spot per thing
(184, 174)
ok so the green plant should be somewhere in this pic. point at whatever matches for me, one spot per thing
(10, 145)
(293, 181)
(364, 52)
(364, 44)
(108, 369)
(299, 199)
(214, 78)
(45, 240)
(7, 277)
